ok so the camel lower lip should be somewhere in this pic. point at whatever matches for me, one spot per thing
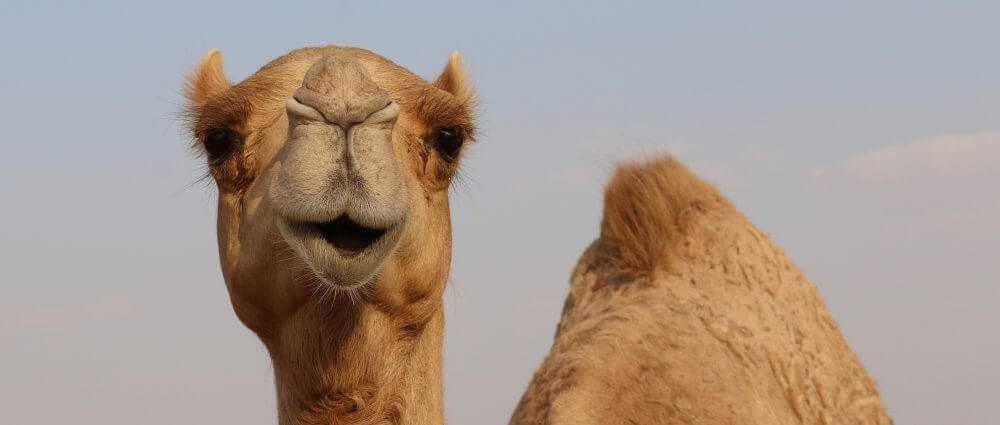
(348, 237)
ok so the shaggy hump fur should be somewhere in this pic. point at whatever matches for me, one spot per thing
(648, 206)
(683, 312)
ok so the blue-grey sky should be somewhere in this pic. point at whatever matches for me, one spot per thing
(863, 136)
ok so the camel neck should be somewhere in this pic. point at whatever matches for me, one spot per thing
(368, 363)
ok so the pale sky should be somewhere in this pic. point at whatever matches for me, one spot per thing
(863, 136)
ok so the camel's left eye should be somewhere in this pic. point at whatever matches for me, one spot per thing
(449, 142)
(219, 142)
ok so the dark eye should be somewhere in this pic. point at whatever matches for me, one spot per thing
(219, 142)
(449, 141)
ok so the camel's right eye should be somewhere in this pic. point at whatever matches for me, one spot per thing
(219, 142)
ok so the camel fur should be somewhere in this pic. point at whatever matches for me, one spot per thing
(682, 312)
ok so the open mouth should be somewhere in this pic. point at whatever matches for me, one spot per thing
(348, 237)
(342, 252)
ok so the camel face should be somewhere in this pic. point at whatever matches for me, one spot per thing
(333, 166)
(339, 195)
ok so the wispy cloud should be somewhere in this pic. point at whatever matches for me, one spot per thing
(951, 156)
(66, 317)
(945, 184)
(110, 308)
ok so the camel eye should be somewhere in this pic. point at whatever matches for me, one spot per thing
(449, 141)
(219, 142)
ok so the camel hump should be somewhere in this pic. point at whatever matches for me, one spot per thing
(649, 205)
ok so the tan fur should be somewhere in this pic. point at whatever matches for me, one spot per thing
(370, 355)
(455, 81)
(683, 312)
(208, 80)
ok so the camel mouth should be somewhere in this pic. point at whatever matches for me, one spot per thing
(347, 236)
(345, 252)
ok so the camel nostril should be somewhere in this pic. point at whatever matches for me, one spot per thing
(341, 90)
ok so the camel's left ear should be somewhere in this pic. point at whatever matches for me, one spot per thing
(207, 80)
(455, 80)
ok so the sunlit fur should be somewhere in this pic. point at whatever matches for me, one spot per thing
(683, 312)
(369, 354)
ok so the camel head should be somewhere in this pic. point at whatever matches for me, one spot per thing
(333, 167)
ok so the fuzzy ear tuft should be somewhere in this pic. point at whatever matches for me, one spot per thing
(455, 80)
(207, 80)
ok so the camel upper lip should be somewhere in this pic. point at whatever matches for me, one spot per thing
(347, 236)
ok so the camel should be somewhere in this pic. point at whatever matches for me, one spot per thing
(332, 166)
(682, 312)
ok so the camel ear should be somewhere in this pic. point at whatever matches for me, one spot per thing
(207, 80)
(455, 80)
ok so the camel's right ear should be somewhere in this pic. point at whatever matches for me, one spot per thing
(207, 80)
